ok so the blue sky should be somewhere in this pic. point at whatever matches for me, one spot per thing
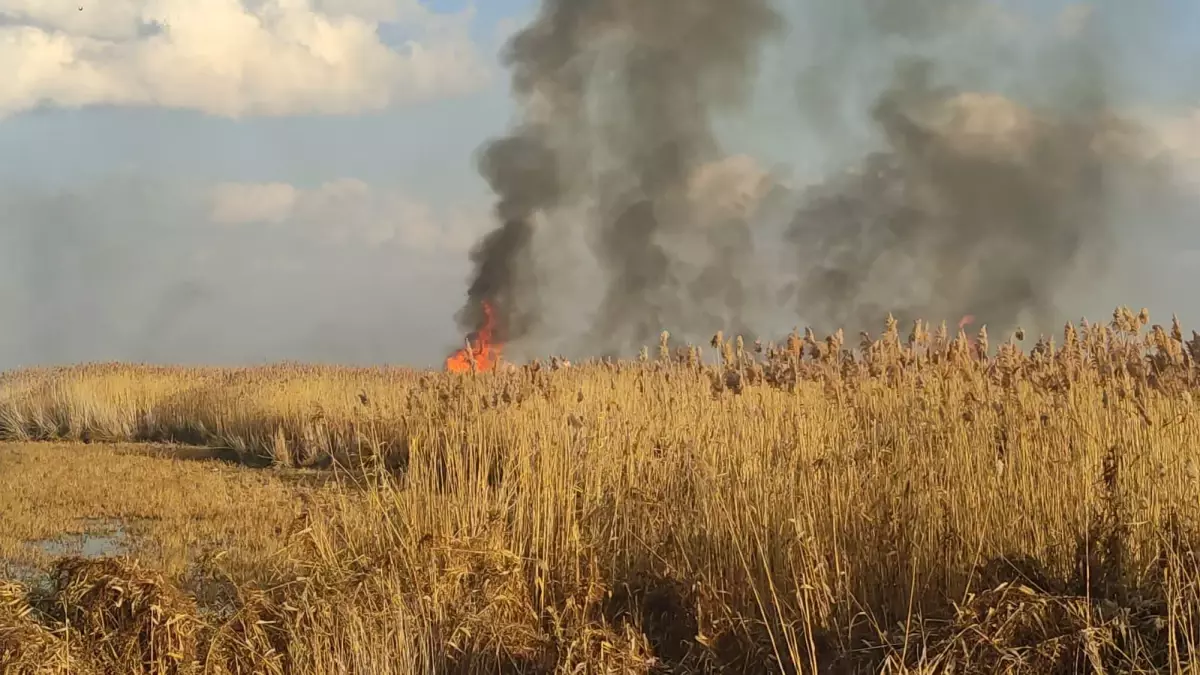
(226, 196)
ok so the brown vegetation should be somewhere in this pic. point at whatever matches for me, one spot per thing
(920, 505)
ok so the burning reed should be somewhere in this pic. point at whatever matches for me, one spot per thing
(929, 502)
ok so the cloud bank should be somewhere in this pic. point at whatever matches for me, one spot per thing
(233, 58)
(348, 211)
(128, 268)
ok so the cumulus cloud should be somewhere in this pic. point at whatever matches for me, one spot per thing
(349, 210)
(233, 57)
(237, 203)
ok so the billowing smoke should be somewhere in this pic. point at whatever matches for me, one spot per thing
(619, 98)
(977, 206)
(985, 168)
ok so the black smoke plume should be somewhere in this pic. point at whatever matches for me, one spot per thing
(987, 197)
(625, 90)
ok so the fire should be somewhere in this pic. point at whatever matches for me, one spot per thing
(967, 320)
(485, 350)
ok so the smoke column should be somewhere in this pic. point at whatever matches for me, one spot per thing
(984, 171)
(977, 206)
(618, 97)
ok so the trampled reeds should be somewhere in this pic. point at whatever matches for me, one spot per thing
(131, 619)
(929, 503)
(27, 645)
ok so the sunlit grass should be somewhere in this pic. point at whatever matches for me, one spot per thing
(787, 508)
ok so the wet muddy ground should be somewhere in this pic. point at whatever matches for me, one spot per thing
(163, 505)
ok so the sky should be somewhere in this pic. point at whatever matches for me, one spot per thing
(248, 181)
(243, 181)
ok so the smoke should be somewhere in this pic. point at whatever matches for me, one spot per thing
(618, 98)
(976, 206)
(975, 159)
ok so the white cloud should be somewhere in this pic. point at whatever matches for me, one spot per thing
(236, 203)
(232, 57)
(349, 210)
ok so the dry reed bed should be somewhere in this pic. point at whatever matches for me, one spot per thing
(927, 504)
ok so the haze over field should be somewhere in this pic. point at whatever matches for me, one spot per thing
(312, 184)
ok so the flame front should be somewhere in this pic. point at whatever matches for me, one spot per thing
(485, 351)
(967, 320)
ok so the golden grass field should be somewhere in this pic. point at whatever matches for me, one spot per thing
(928, 504)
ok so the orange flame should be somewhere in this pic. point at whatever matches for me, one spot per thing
(967, 320)
(485, 350)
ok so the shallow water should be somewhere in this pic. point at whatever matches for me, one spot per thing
(101, 538)
(20, 572)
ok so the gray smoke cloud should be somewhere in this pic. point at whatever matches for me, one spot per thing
(619, 98)
(978, 161)
(977, 207)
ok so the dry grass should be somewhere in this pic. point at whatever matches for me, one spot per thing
(922, 505)
(27, 646)
(58, 497)
(131, 619)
